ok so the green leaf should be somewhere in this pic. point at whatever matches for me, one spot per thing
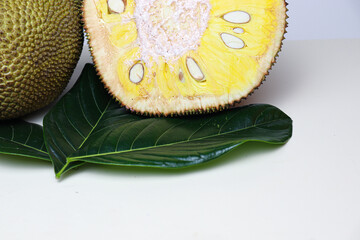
(72, 120)
(124, 139)
(87, 125)
(21, 138)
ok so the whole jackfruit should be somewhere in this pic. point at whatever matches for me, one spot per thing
(40, 45)
(165, 57)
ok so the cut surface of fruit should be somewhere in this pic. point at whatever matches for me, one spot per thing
(165, 57)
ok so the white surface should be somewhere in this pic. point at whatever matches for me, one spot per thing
(323, 19)
(308, 189)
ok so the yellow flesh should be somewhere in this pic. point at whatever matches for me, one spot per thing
(230, 74)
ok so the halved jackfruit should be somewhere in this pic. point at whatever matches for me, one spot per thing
(182, 56)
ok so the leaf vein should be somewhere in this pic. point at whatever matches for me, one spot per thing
(93, 127)
(118, 141)
(199, 128)
(24, 145)
(82, 111)
(12, 132)
(94, 98)
(68, 119)
(112, 125)
(64, 137)
(146, 127)
(172, 127)
(227, 120)
(102, 143)
(27, 139)
(170, 144)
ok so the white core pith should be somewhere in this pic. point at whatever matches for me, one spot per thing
(170, 28)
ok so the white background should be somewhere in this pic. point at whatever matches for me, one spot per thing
(323, 19)
(308, 189)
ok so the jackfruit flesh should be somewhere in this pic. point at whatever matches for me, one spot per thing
(165, 57)
(40, 44)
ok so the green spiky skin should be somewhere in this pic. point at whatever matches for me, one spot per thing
(40, 45)
(193, 111)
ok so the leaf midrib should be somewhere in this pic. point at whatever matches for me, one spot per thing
(70, 159)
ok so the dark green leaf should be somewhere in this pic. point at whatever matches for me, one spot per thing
(88, 126)
(71, 121)
(18, 137)
(124, 139)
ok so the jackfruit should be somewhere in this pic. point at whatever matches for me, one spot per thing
(40, 45)
(164, 57)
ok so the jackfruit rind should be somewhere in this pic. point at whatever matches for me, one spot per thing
(40, 45)
(234, 53)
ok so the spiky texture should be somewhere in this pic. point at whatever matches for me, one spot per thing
(40, 44)
(217, 106)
